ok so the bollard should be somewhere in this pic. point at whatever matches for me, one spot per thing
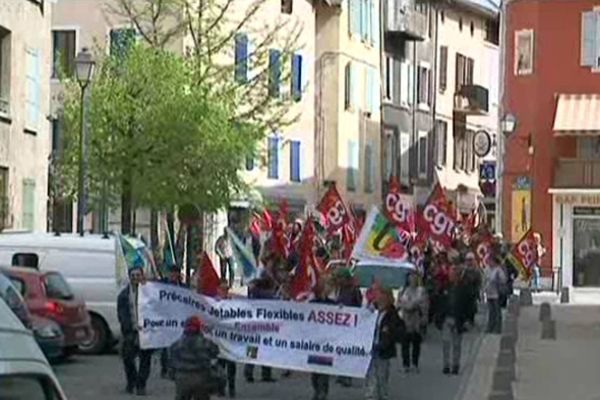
(506, 357)
(509, 370)
(545, 312)
(507, 342)
(514, 308)
(548, 329)
(564, 295)
(525, 297)
(511, 326)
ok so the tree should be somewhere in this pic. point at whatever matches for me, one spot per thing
(157, 136)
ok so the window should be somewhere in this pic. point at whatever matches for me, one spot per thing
(369, 168)
(441, 142)
(27, 260)
(469, 164)
(464, 71)
(241, 58)
(492, 31)
(374, 18)
(442, 16)
(297, 77)
(352, 173)
(295, 161)
(423, 84)
(5, 61)
(524, 52)
(443, 68)
(472, 28)
(460, 24)
(590, 39)
(390, 148)
(389, 79)
(354, 20)
(404, 156)
(28, 222)
(422, 155)
(407, 85)
(287, 6)
(372, 91)
(57, 287)
(63, 51)
(274, 73)
(121, 41)
(365, 29)
(30, 387)
(249, 163)
(351, 87)
(273, 158)
(33, 89)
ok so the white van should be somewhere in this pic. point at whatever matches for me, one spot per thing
(24, 371)
(93, 265)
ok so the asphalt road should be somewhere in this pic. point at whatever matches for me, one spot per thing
(101, 378)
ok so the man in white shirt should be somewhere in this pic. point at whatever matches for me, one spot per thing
(225, 253)
(495, 284)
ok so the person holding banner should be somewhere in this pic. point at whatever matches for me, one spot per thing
(320, 382)
(387, 334)
(228, 366)
(127, 312)
(193, 357)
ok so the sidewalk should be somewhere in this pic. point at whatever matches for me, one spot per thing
(566, 368)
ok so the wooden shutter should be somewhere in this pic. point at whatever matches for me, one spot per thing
(241, 58)
(443, 68)
(354, 17)
(273, 158)
(274, 73)
(295, 161)
(297, 77)
(348, 86)
(460, 71)
(469, 71)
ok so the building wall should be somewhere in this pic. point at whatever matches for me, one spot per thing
(335, 47)
(532, 99)
(25, 153)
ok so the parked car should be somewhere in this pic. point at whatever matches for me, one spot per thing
(24, 371)
(47, 333)
(94, 266)
(48, 295)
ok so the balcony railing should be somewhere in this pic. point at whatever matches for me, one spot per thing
(403, 19)
(577, 173)
(472, 100)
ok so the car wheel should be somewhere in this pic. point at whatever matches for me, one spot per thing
(98, 339)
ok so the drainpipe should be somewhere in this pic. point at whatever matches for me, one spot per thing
(500, 134)
(433, 89)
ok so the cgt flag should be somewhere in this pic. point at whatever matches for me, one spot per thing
(437, 221)
(524, 255)
(398, 208)
(208, 280)
(332, 207)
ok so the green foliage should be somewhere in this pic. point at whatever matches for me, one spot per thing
(152, 124)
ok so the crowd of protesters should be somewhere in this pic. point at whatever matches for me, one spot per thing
(444, 290)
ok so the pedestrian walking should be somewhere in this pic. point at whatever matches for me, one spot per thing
(225, 253)
(412, 304)
(495, 285)
(347, 293)
(537, 271)
(320, 382)
(127, 311)
(474, 280)
(387, 334)
(228, 367)
(192, 358)
(451, 317)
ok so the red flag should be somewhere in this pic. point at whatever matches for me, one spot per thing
(305, 275)
(208, 280)
(255, 225)
(335, 211)
(267, 221)
(437, 221)
(398, 208)
(524, 255)
(483, 245)
(280, 239)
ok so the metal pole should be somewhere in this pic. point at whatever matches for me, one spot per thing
(501, 111)
(81, 194)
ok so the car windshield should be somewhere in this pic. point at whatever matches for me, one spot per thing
(57, 287)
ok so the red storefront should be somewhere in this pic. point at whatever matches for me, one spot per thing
(552, 159)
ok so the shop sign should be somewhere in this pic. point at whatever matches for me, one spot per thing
(586, 210)
(582, 199)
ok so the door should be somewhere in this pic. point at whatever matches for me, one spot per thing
(586, 252)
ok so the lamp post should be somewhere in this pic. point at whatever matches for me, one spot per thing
(84, 72)
(508, 124)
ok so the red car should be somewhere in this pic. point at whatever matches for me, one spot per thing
(48, 295)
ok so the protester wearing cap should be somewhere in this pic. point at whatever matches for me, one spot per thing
(192, 358)
(127, 306)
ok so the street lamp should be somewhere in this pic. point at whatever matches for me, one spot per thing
(508, 124)
(84, 72)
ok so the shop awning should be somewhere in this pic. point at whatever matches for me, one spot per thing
(577, 114)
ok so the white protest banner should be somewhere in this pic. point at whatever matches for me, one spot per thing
(308, 337)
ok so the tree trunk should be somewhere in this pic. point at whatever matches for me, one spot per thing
(154, 242)
(126, 206)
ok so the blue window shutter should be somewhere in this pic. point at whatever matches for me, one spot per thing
(274, 73)
(297, 79)
(273, 158)
(354, 16)
(375, 23)
(369, 90)
(589, 38)
(241, 58)
(295, 161)
(363, 19)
